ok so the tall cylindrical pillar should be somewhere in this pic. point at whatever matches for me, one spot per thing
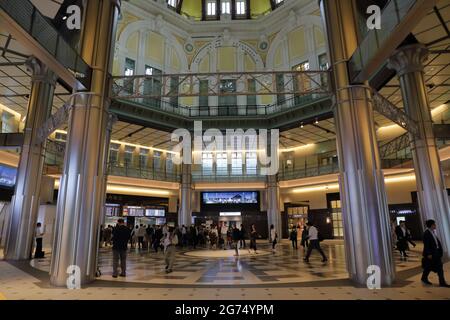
(431, 189)
(185, 212)
(25, 203)
(83, 181)
(273, 201)
(365, 212)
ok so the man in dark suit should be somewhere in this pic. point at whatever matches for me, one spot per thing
(120, 238)
(432, 255)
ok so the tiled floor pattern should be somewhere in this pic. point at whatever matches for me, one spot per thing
(285, 266)
(280, 276)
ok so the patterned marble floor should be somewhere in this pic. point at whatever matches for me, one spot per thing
(221, 267)
(256, 277)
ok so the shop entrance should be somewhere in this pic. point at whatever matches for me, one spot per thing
(231, 220)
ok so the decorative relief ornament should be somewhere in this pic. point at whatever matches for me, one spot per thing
(263, 44)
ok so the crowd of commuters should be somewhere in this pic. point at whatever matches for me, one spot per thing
(223, 236)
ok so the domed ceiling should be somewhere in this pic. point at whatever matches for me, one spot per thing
(252, 9)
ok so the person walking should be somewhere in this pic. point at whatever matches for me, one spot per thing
(293, 237)
(314, 242)
(403, 236)
(149, 233)
(39, 235)
(223, 235)
(157, 238)
(236, 235)
(304, 242)
(134, 236)
(432, 255)
(183, 236)
(243, 235)
(107, 232)
(170, 242)
(120, 238)
(253, 237)
(140, 236)
(214, 237)
(273, 238)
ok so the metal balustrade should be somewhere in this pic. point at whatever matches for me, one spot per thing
(290, 89)
(28, 17)
(144, 173)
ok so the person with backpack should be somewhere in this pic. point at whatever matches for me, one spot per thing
(170, 242)
(314, 242)
(273, 238)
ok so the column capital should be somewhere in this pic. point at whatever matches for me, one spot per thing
(40, 71)
(408, 59)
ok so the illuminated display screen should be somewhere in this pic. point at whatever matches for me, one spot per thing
(155, 213)
(229, 214)
(230, 197)
(133, 211)
(7, 176)
(112, 210)
(160, 221)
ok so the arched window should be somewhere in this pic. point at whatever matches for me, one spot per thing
(241, 7)
(226, 7)
(211, 9)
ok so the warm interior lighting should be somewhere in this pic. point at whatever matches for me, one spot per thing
(131, 144)
(326, 187)
(409, 177)
(143, 147)
(115, 188)
(316, 188)
(9, 110)
(111, 188)
(439, 109)
(309, 145)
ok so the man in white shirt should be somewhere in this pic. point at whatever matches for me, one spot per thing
(223, 234)
(314, 242)
(39, 235)
(170, 241)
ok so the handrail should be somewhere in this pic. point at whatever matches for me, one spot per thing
(30, 19)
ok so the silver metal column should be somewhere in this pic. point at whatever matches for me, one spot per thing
(185, 211)
(26, 200)
(432, 193)
(83, 181)
(362, 192)
(273, 204)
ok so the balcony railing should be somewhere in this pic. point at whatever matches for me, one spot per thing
(35, 24)
(222, 94)
(143, 173)
(309, 171)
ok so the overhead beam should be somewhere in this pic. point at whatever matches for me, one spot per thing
(396, 115)
(378, 45)
(67, 70)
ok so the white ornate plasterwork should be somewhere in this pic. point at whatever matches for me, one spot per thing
(156, 25)
(293, 23)
(228, 42)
